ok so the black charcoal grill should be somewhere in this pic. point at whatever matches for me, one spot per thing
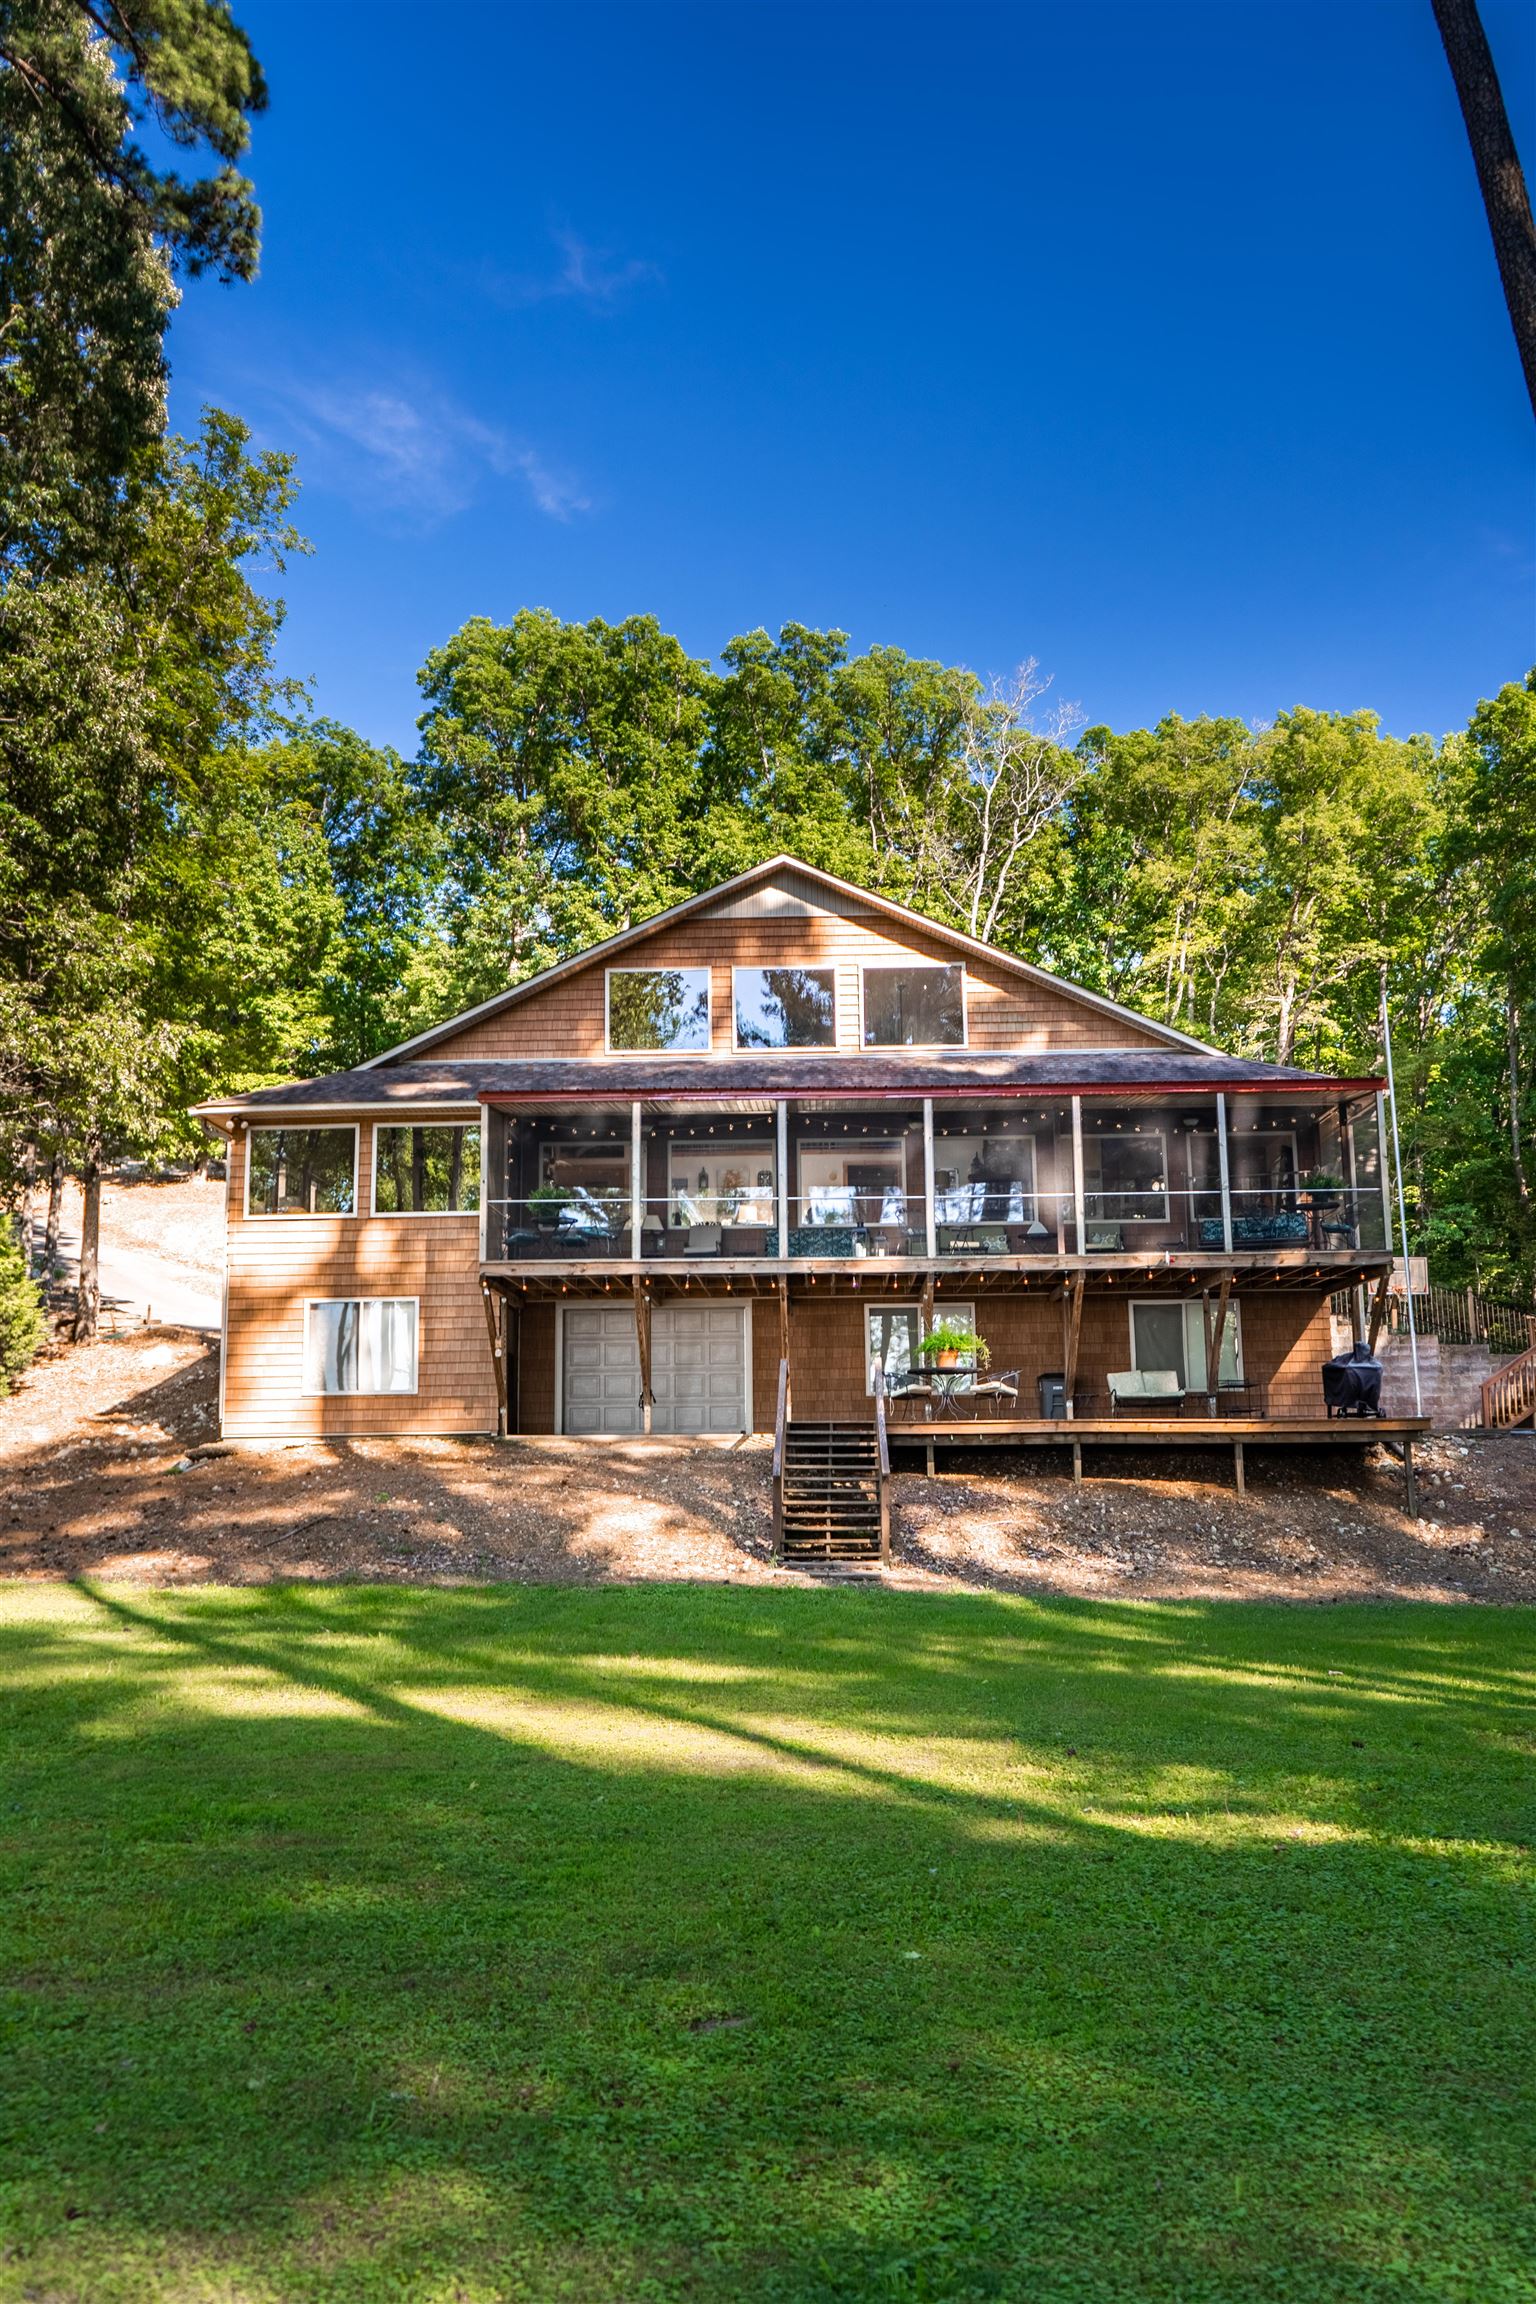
(1352, 1383)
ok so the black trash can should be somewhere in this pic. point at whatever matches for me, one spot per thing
(1053, 1398)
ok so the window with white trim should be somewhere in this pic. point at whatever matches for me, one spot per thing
(301, 1172)
(785, 1007)
(426, 1171)
(892, 1333)
(920, 1004)
(1168, 1334)
(660, 1008)
(360, 1344)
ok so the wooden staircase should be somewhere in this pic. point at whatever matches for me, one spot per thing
(830, 1501)
(1509, 1395)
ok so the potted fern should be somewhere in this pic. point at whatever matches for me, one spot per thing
(951, 1344)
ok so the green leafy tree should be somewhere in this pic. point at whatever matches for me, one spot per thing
(21, 1311)
(91, 236)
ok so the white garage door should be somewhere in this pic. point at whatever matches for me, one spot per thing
(698, 1369)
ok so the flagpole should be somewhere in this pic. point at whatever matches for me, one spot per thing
(1402, 1211)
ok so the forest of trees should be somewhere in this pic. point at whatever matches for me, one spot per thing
(204, 887)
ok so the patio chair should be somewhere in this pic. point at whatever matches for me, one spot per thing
(997, 1392)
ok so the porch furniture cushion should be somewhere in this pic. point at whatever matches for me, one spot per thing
(1138, 1384)
(1106, 1236)
(1276, 1231)
(814, 1240)
(999, 1390)
(972, 1239)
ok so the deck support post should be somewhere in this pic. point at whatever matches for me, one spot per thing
(930, 1228)
(784, 1317)
(636, 1183)
(782, 1128)
(1222, 1171)
(1215, 1336)
(1072, 1327)
(1410, 1483)
(495, 1331)
(643, 1338)
(1077, 1463)
(1378, 1310)
(930, 1459)
(1238, 1472)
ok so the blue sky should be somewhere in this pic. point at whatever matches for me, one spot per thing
(1161, 343)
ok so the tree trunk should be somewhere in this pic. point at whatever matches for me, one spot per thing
(88, 1294)
(1517, 1156)
(28, 1211)
(55, 1212)
(1498, 169)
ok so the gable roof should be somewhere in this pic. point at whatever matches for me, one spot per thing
(841, 894)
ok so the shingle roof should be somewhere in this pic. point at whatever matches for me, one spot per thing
(1090, 1071)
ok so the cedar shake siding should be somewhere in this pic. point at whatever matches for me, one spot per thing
(1003, 1010)
(275, 1264)
(1285, 1340)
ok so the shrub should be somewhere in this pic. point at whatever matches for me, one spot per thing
(21, 1310)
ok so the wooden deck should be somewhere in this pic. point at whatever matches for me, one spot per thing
(1239, 1433)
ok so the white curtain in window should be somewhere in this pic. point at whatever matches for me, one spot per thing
(362, 1345)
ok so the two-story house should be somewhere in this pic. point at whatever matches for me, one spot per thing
(790, 1120)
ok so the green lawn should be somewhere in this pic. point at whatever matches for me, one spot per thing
(680, 1943)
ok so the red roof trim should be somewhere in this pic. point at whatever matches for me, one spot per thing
(978, 1092)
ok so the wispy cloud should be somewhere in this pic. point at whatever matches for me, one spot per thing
(411, 453)
(586, 274)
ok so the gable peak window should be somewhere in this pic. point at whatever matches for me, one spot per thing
(785, 1007)
(665, 1009)
(915, 1004)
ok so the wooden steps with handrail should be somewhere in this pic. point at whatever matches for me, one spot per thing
(1509, 1395)
(830, 1483)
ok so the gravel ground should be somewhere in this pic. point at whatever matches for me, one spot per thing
(108, 1467)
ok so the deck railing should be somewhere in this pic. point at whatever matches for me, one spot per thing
(1458, 1316)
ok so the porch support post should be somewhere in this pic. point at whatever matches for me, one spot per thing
(930, 1228)
(1357, 1310)
(498, 1355)
(1072, 1316)
(1410, 1484)
(1378, 1310)
(783, 1316)
(1215, 1333)
(781, 1121)
(636, 1183)
(1238, 1473)
(485, 1184)
(643, 1337)
(1382, 1165)
(1226, 1181)
(1077, 1174)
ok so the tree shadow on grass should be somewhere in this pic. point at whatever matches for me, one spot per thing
(806, 1945)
